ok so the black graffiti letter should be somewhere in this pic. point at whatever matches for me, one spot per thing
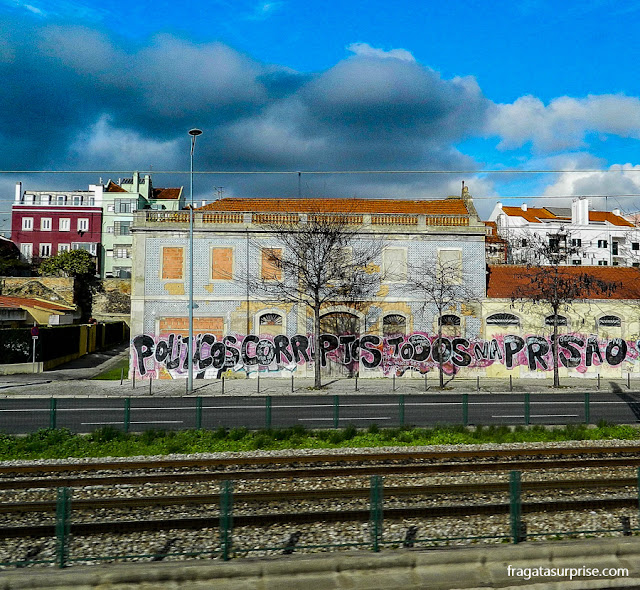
(441, 350)
(281, 343)
(346, 341)
(218, 355)
(246, 359)
(371, 357)
(266, 352)
(205, 359)
(592, 348)
(537, 347)
(328, 342)
(232, 353)
(143, 345)
(570, 342)
(299, 346)
(162, 350)
(421, 347)
(621, 352)
(461, 357)
(512, 346)
(395, 343)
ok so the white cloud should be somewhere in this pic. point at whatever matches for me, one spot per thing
(265, 9)
(365, 50)
(564, 122)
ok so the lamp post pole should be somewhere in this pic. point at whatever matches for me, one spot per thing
(190, 349)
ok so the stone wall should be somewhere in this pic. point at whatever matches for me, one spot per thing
(50, 288)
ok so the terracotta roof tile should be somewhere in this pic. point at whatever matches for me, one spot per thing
(166, 193)
(449, 206)
(532, 214)
(112, 187)
(610, 217)
(504, 281)
(22, 302)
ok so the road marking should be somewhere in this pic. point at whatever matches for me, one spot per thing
(120, 422)
(541, 416)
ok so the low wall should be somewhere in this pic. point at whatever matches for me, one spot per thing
(19, 368)
(438, 569)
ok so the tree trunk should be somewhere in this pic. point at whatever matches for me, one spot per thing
(317, 359)
(441, 375)
(554, 350)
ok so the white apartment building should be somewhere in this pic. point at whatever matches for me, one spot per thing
(597, 238)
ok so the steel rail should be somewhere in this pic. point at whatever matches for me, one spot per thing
(318, 472)
(333, 457)
(362, 515)
(322, 494)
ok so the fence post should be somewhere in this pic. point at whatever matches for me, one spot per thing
(150, 384)
(478, 383)
(226, 519)
(527, 409)
(510, 382)
(394, 382)
(465, 409)
(53, 406)
(515, 505)
(127, 413)
(258, 381)
(629, 380)
(198, 412)
(133, 380)
(401, 409)
(267, 412)
(638, 491)
(356, 381)
(336, 410)
(292, 387)
(598, 380)
(376, 511)
(63, 514)
(223, 385)
(426, 385)
(587, 408)
(121, 375)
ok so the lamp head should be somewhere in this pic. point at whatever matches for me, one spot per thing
(195, 132)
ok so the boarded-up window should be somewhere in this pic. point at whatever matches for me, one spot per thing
(271, 264)
(394, 324)
(213, 325)
(450, 262)
(172, 263)
(394, 264)
(222, 263)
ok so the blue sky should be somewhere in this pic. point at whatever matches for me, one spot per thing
(287, 85)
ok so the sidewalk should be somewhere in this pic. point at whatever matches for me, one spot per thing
(74, 379)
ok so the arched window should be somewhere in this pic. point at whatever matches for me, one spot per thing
(561, 320)
(503, 319)
(449, 320)
(394, 324)
(270, 319)
(610, 321)
(339, 322)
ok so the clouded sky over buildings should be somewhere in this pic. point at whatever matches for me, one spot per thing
(279, 86)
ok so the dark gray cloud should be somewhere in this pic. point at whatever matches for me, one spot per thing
(78, 98)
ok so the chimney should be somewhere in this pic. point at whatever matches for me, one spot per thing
(204, 202)
(136, 182)
(616, 212)
(18, 192)
(523, 206)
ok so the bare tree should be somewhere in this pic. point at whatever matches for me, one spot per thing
(444, 287)
(548, 280)
(320, 259)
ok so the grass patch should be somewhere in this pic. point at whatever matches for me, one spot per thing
(114, 372)
(108, 441)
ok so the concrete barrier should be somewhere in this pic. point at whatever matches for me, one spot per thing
(438, 569)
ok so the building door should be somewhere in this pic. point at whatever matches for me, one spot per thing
(339, 324)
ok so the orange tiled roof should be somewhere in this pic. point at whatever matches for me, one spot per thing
(505, 281)
(23, 302)
(166, 193)
(532, 214)
(447, 206)
(610, 217)
(112, 187)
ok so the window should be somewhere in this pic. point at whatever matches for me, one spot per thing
(450, 263)
(45, 223)
(26, 250)
(561, 320)
(449, 320)
(123, 206)
(45, 199)
(221, 264)
(64, 224)
(610, 321)
(121, 228)
(61, 199)
(271, 264)
(63, 248)
(554, 245)
(45, 250)
(602, 263)
(576, 242)
(524, 242)
(503, 319)
(635, 246)
(394, 264)
(576, 262)
(603, 244)
(172, 263)
(270, 323)
(614, 248)
(89, 247)
(394, 324)
(121, 273)
(92, 201)
(77, 200)
(83, 224)
(110, 208)
(636, 265)
(27, 223)
(122, 251)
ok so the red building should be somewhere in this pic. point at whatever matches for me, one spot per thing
(45, 223)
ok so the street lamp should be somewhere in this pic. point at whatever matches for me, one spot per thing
(193, 133)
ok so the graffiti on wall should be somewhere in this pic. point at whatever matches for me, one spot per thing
(166, 356)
